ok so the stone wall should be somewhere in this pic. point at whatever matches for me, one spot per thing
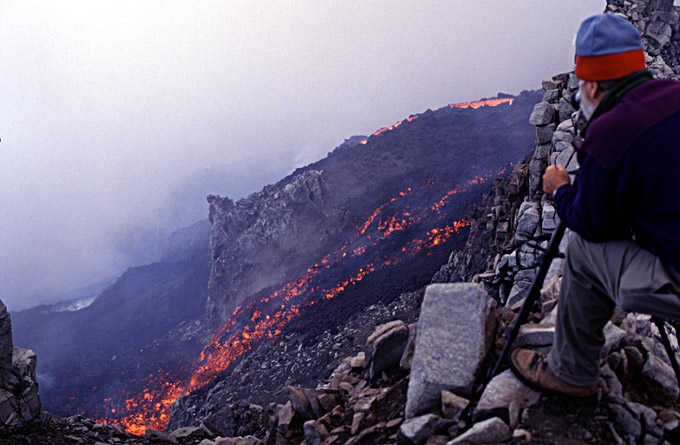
(516, 217)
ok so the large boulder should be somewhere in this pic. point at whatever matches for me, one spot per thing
(455, 331)
(385, 347)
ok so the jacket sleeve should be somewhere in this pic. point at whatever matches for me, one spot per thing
(589, 208)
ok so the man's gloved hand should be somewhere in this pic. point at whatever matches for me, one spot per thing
(554, 178)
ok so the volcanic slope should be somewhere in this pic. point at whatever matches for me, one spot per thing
(112, 360)
(402, 197)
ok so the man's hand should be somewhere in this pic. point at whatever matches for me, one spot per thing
(554, 178)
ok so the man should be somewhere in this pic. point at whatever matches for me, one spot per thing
(625, 209)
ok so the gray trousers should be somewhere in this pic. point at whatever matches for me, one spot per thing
(597, 277)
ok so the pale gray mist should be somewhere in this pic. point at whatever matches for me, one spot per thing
(121, 116)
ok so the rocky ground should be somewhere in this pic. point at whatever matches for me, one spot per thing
(394, 372)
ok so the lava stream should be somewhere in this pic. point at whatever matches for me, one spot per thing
(475, 105)
(265, 316)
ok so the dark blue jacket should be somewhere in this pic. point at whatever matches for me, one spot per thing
(629, 181)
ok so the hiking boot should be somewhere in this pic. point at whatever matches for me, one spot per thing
(531, 367)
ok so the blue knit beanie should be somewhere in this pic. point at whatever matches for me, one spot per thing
(608, 47)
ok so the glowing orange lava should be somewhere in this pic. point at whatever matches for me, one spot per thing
(475, 105)
(483, 103)
(265, 315)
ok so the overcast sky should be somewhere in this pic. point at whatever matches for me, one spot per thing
(107, 108)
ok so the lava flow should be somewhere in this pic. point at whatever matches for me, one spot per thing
(475, 105)
(378, 243)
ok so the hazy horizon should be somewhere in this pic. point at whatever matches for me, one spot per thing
(117, 115)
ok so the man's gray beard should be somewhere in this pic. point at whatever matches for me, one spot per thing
(587, 108)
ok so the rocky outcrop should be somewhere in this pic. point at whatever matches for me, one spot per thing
(637, 401)
(19, 400)
(259, 240)
(289, 227)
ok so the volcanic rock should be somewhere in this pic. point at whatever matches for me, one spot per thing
(285, 415)
(543, 114)
(385, 347)
(315, 432)
(492, 430)
(418, 429)
(660, 380)
(535, 335)
(159, 437)
(249, 440)
(454, 335)
(407, 358)
(501, 392)
(193, 434)
(19, 400)
(453, 405)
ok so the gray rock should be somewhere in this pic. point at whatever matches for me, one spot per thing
(536, 170)
(660, 380)
(518, 293)
(453, 405)
(565, 110)
(248, 440)
(6, 346)
(625, 421)
(407, 357)
(503, 390)
(550, 84)
(521, 436)
(455, 331)
(562, 140)
(315, 432)
(544, 134)
(492, 430)
(526, 257)
(613, 336)
(306, 402)
(551, 96)
(548, 216)
(528, 222)
(418, 429)
(563, 157)
(285, 414)
(192, 433)
(543, 114)
(537, 335)
(646, 416)
(614, 389)
(358, 361)
(159, 437)
(384, 348)
(19, 399)
(542, 152)
(356, 422)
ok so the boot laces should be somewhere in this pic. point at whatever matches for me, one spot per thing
(538, 360)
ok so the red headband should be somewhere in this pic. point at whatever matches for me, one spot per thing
(610, 66)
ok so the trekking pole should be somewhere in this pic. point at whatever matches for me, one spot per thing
(532, 297)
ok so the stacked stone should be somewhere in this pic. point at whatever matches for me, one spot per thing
(659, 23)
(515, 267)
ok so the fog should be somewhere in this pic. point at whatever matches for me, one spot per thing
(115, 116)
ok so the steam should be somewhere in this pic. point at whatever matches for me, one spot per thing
(108, 104)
